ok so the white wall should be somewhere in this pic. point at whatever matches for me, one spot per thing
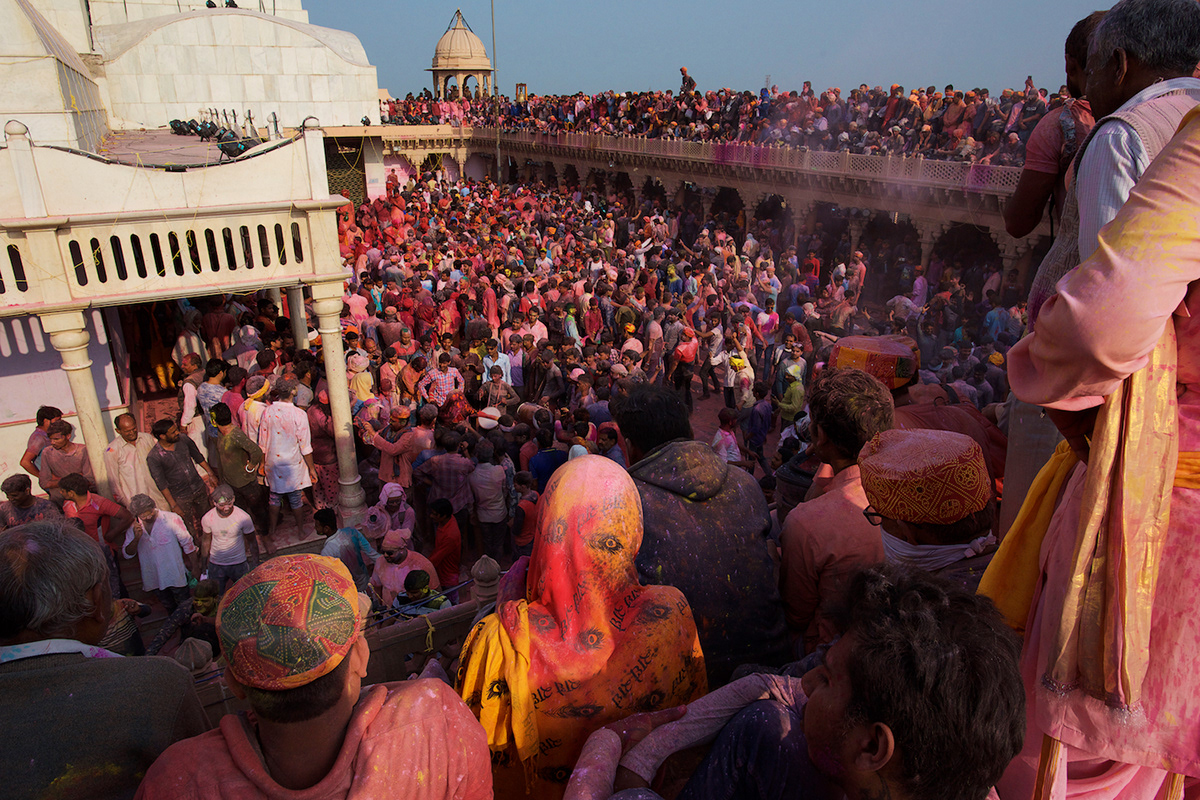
(167, 69)
(374, 167)
(70, 18)
(31, 375)
(477, 167)
(115, 12)
(43, 82)
(404, 169)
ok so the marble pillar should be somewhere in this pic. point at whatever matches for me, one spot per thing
(327, 305)
(69, 335)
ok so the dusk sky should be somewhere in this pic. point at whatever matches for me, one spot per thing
(564, 47)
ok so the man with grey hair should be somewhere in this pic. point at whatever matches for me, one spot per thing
(1139, 82)
(162, 544)
(57, 687)
(286, 442)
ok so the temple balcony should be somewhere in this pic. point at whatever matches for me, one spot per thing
(79, 231)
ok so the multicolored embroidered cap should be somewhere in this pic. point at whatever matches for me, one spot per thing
(880, 357)
(290, 621)
(924, 476)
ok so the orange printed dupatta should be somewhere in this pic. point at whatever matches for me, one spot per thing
(589, 645)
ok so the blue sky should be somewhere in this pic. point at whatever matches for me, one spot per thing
(561, 47)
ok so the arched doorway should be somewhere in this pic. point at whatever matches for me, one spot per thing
(654, 194)
(570, 177)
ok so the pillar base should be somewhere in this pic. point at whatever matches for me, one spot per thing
(352, 501)
(327, 305)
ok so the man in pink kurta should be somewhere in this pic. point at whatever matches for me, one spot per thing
(1107, 317)
(824, 541)
(413, 739)
(827, 538)
(397, 560)
(396, 458)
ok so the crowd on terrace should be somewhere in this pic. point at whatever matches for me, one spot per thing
(951, 124)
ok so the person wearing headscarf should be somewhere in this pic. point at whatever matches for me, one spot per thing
(588, 644)
(396, 560)
(361, 382)
(245, 351)
(392, 512)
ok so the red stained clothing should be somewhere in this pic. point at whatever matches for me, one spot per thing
(414, 740)
(447, 553)
(824, 540)
(96, 515)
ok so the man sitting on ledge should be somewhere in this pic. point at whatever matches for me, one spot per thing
(292, 635)
(78, 720)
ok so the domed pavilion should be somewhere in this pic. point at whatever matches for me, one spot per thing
(460, 55)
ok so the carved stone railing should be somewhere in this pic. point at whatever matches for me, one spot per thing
(78, 231)
(913, 171)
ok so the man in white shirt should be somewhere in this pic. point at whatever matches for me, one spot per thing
(1141, 51)
(286, 441)
(225, 528)
(191, 420)
(161, 540)
(125, 460)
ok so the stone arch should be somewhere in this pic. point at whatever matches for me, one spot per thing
(468, 80)
(569, 176)
(550, 174)
(620, 186)
(432, 162)
(597, 180)
(770, 207)
(727, 200)
(690, 196)
(889, 241)
(654, 193)
(964, 247)
(770, 221)
(724, 207)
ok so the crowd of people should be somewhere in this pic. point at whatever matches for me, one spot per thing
(520, 363)
(819, 599)
(950, 125)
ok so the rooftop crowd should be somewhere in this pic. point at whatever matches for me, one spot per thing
(814, 597)
(954, 125)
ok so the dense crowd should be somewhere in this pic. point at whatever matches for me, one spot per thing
(819, 599)
(495, 336)
(951, 124)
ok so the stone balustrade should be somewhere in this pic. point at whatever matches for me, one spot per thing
(78, 232)
(917, 171)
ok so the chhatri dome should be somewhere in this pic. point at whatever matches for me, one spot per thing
(459, 55)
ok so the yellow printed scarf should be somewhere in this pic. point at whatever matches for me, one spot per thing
(1013, 573)
(494, 677)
